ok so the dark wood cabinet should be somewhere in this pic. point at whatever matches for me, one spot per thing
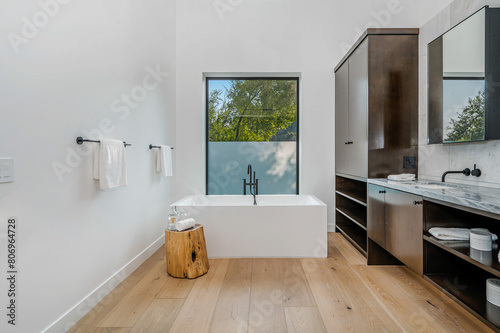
(404, 227)
(395, 223)
(376, 214)
(376, 115)
(453, 266)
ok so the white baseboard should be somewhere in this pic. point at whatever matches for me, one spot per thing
(67, 320)
(331, 227)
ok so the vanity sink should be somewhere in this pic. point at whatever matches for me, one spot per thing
(434, 186)
(430, 185)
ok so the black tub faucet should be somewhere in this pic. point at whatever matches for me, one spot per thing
(465, 171)
(253, 183)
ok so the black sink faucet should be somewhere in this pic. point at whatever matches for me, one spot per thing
(253, 183)
(465, 171)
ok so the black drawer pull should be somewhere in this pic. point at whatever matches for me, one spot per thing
(381, 192)
(418, 202)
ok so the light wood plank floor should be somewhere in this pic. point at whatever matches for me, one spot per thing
(337, 294)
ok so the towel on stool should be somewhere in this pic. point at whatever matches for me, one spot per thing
(185, 224)
(111, 164)
(455, 233)
(403, 176)
(164, 161)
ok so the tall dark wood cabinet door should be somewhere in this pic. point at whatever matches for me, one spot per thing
(376, 214)
(358, 111)
(403, 228)
(341, 118)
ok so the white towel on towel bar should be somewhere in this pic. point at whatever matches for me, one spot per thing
(164, 161)
(112, 164)
(95, 167)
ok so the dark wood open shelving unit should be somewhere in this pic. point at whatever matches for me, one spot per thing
(463, 251)
(351, 211)
(354, 234)
(351, 188)
(450, 266)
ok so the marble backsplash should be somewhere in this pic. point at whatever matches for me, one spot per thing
(438, 158)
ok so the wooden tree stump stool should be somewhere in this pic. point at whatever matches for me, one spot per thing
(186, 253)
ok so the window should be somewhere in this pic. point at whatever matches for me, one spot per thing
(252, 121)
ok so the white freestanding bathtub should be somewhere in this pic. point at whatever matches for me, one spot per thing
(280, 226)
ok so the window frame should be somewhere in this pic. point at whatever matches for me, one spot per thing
(226, 78)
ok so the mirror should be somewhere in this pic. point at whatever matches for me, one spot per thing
(463, 70)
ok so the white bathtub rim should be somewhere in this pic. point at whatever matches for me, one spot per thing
(187, 202)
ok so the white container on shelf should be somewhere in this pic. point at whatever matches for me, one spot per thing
(484, 257)
(493, 291)
(481, 239)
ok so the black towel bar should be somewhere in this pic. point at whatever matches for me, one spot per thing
(80, 141)
(151, 147)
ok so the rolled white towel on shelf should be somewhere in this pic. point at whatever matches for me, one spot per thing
(450, 233)
(185, 224)
(456, 233)
(402, 176)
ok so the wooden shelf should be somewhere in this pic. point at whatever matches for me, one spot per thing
(459, 276)
(462, 250)
(351, 198)
(356, 245)
(351, 188)
(355, 233)
(467, 291)
(351, 210)
(354, 219)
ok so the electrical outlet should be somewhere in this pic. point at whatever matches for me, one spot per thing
(6, 170)
(409, 162)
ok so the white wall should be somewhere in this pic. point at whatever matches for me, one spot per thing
(72, 236)
(438, 158)
(308, 37)
(463, 47)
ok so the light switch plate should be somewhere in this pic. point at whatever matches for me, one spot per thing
(6, 170)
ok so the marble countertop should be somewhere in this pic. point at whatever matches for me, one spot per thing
(482, 198)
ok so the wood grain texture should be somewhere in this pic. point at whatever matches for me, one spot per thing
(266, 306)
(231, 312)
(294, 285)
(176, 288)
(304, 320)
(404, 228)
(376, 31)
(132, 306)
(345, 303)
(416, 305)
(159, 316)
(353, 256)
(393, 103)
(380, 298)
(198, 309)
(110, 330)
(186, 253)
